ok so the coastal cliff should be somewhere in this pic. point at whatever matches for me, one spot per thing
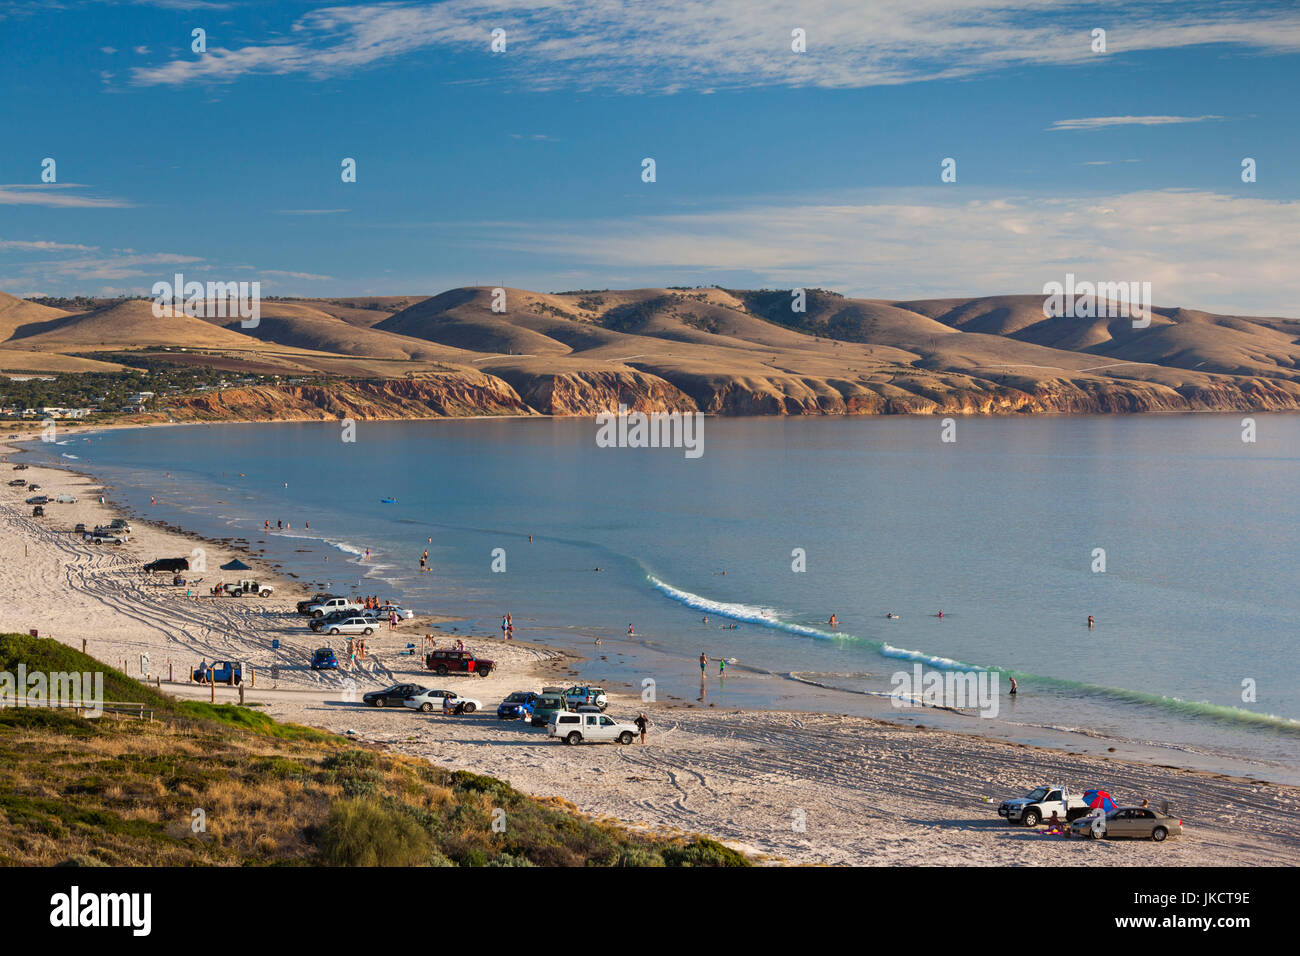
(581, 394)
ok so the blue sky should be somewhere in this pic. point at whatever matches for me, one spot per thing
(776, 168)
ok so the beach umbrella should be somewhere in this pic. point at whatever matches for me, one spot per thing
(1099, 798)
(235, 565)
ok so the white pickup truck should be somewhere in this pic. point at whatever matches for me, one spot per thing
(333, 604)
(1040, 803)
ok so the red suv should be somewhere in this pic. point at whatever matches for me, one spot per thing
(457, 662)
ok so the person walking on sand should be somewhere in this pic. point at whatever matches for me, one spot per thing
(641, 723)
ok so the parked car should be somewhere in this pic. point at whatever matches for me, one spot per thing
(38, 512)
(20, 467)
(240, 588)
(323, 659)
(99, 536)
(319, 597)
(39, 500)
(428, 701)
(597, 728)
(353, 625)
(168, 564)
(576, 696)
(79, 528)
(33, 487)
(394, 696)
(320, 624)
(18, 483)
(120, 525)
(1140, 822)
(1039, 805)
(443, 663)
(517, 705)
(220, 672)
(545, 707)
(334, 604)
(66, 499)
(402, 613)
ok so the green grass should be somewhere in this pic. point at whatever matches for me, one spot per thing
(125, 792)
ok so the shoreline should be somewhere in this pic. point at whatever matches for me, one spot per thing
(733, 774)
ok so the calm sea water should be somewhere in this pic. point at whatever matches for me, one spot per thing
(998, 529)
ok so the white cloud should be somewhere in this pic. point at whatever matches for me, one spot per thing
(673, 45)
(54, 195)
(1198, 249)
(1102, 122)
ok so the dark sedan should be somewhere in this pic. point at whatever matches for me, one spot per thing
(392, 696)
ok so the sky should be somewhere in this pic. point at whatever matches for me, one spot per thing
(773, 167)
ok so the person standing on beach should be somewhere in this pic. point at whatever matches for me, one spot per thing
(392, 620)
(641, 723)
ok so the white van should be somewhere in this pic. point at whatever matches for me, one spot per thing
(575, 728)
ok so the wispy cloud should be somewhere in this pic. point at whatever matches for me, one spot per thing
(1102, 122)
(309, 212)
(672, 45)
(1199, 249)
(54, 195)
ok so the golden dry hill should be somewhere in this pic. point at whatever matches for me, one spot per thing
(730, 352)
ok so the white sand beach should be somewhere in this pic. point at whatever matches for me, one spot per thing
(790, 787)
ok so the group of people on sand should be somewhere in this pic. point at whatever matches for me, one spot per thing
(508, 628)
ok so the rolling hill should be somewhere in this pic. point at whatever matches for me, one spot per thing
(716, 350)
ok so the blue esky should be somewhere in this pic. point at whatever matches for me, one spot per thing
(776, 168)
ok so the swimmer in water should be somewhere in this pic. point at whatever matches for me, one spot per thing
(629, 630)
(1090, 622)
(706, 619)
(834, 621)
(1013, 687)
(941, 613)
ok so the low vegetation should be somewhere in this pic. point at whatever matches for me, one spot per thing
(227, 785)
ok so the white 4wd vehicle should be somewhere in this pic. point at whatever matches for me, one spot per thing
(575, 728)
(1039, 805)
(334, 604)
(240, 588)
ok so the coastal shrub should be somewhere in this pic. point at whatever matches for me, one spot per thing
(703, 852)
(639, 856)
(362, 832)
(232, 715)
(509, 859)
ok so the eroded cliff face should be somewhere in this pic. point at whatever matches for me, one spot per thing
(442, 396)
(589, 393)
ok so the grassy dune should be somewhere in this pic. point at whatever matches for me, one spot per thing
(115, 791)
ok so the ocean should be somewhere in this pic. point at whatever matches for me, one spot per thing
(1174, 534)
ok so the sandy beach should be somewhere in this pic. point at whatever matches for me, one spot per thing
(788, 787)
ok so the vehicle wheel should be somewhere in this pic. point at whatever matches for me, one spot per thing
(266, 594)
(379, 702)
(317, 613)
(573, 738)
(368, 631)
(441, 670)
(625, 737)
(427, 707)
(1159, 833)
(470, 708)
(1031, 818)
(334, 630)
